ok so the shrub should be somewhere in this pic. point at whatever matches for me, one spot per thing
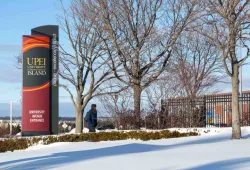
(23, 143)
(5, 130)
(13, 144)
(105, 123)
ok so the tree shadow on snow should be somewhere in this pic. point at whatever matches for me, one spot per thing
(246, 137)
(228, 164)
(57, 159)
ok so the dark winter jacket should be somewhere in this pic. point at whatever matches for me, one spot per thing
(91, 118)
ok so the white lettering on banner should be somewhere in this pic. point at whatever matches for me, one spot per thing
(37, 115)
(36, 73)
(36, 120)
(36, 111)
(36, 66)
(54, 60)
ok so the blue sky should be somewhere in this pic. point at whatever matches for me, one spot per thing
(17, 18)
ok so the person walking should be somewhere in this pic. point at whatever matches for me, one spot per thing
(91, 118)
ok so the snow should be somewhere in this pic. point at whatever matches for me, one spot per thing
(85, 130)
(212, 150)
(201, 131)
(18, 135)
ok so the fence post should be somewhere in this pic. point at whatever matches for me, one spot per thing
(205, 109)
(162, 111)
(11, 118)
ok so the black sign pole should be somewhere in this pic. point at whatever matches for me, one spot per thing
(53, 32)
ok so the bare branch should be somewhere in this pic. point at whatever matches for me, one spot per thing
(71, 95)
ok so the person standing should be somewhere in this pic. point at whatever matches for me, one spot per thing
(91, 118)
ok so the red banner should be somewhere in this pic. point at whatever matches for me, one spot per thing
(36, 84)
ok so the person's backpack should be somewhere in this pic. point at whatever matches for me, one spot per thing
(86, 117)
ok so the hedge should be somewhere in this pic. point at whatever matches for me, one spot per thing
(23, 143)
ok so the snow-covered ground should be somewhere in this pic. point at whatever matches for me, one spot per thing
(211, 151)
(182, 130)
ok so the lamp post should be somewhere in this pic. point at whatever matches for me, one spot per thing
(241, 97)
(11, 102)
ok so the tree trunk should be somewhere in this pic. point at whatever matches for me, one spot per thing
(79, 121)
(137, 105)
(83, 121)
(236, 131)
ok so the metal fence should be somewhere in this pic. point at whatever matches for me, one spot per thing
(205, 111)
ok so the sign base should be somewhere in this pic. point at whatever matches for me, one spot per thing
(35, 133)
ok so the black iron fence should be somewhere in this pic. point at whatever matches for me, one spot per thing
(205, 111)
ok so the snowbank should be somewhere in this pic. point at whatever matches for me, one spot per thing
(18, 135)
(213, 150)
(201, 131)
(85, 130)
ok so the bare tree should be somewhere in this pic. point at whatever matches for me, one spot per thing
(194, 71)
(18, 62)
(197, 64)
(227, 25)
(165, 87)
(134, 31)
(84, 66)
(117, 105)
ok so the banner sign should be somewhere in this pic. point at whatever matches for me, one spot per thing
(36, 84)
(40, 82)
